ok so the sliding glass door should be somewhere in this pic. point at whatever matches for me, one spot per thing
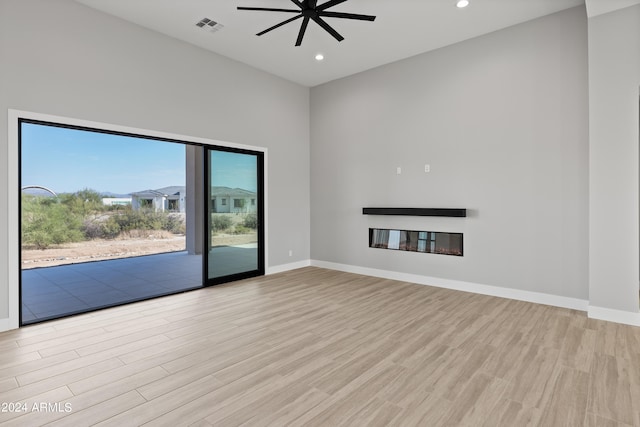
(109, 217)
(235, 225)
(106, 218)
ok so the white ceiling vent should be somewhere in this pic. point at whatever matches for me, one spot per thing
(209, 24)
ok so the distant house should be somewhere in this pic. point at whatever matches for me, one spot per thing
(116, 201)
(233, 200)
(172, 199)
(167, 199)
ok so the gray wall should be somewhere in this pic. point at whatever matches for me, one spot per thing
(59, 57)
(502, 120)
(614, 82)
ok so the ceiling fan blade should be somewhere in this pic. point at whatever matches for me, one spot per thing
(347, 16)
(268, 9)
(329, 4)
(303, 28)
(313, 4)
(328, 28)
(279, 25)
(297, 3)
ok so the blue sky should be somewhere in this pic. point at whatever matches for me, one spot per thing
(233, 170)
(69, 160)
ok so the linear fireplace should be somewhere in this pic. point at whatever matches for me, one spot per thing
(433, 242)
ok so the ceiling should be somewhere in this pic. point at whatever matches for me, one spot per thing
(403, 28)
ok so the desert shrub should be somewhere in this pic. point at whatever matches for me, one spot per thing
(136, 220)
(92, 229)
(109, 230)
(46, 222)
(143, 219)
(241, 229)
(75, 217)
(220, 222)
(174, 224)
(83, 202)
(251, 221)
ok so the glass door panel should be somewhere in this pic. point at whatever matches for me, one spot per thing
(234, 215)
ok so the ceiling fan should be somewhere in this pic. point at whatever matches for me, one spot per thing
(310, 10)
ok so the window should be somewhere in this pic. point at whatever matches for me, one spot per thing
(238, 203)
(75, 161)
(115, 141)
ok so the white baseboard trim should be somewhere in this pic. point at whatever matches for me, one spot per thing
(287, 267)
(611, 315)
(496, 291)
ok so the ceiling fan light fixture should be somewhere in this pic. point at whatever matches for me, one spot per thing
(319, 57)
(462, 3)
(309, 10)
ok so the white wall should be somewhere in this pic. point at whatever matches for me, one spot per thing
(502, 120)
(59, 57)
(614, 83)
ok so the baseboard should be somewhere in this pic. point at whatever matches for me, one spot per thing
(611, 315)
(286, 267)
(496, 291)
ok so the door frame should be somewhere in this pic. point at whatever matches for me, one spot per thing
(13, 190)
(260, 165)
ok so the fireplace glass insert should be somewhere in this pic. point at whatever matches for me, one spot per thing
(433, 242)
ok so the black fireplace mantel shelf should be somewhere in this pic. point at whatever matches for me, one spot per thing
(458, 213)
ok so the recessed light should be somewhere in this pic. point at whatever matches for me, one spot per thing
(319, 57)
(462, 3)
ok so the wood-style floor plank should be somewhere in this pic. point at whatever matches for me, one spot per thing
(315, 347)
(610, 392)
(567, 403)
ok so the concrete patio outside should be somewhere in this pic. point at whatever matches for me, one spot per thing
(52, 292)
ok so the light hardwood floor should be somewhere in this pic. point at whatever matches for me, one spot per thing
(315, 347)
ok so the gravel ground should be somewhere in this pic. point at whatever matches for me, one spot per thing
(99, 249)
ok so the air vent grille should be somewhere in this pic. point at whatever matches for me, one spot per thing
(209, 24)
